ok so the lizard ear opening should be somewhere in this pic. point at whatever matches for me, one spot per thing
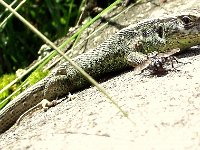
(160, 31)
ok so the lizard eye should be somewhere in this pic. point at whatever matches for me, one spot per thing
(186, 20)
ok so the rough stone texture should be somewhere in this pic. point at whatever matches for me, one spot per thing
(164, 110)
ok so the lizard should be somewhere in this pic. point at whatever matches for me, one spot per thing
(161, 34)
(153, 63)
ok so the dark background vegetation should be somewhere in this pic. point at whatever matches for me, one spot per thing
(19, 45)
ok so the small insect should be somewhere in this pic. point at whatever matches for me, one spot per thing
(156, 62)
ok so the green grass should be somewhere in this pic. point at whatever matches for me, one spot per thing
(52, 17)
(45, 39)
(38, 74)
(4, 80)
(10, 93)
(18, 45)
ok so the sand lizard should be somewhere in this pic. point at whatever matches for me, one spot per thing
(161, 34)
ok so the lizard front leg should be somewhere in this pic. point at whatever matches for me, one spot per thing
(154, 61)
(137, 60)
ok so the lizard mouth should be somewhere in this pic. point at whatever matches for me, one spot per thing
(183, 41)
(189, 41)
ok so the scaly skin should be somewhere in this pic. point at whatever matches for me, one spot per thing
(162, 35)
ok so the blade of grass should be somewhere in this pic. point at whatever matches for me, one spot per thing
(21, 76)
(2, 25)
(46, 59)
(109, 8)
(46, 40)
(68, 53)
(7, 99)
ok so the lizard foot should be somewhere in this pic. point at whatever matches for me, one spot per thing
(45, 105)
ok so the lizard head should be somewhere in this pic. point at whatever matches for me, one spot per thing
(170, 32)
(182, 31)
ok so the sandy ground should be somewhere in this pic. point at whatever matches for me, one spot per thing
(164, 113)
